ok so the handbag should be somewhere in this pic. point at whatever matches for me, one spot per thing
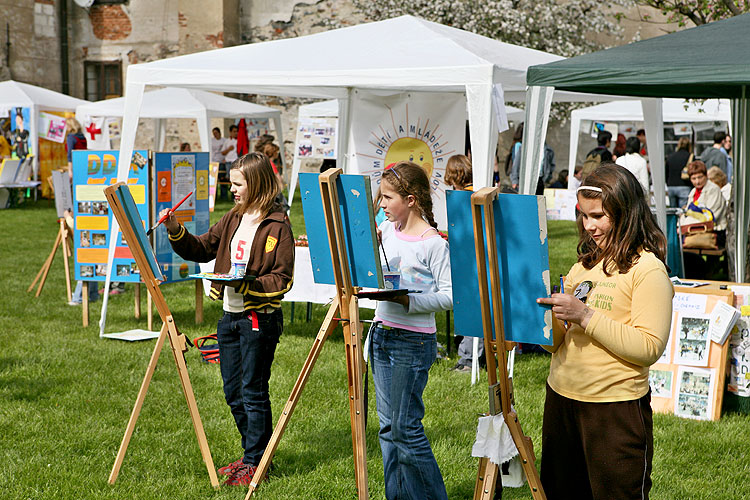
(705, 240)
(684, 174)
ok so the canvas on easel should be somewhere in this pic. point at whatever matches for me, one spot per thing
(490, 259)
(342, 206)
(126, 212)
(64, 238)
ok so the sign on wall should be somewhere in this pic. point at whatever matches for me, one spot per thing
(424, 128)
(317, 137)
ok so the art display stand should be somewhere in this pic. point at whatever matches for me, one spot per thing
(64, 239)
(122, 206)
(500, 385)
(345, 310)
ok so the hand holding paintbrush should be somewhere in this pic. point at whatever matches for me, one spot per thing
(167, 215)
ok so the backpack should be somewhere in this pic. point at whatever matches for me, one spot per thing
(593, 159)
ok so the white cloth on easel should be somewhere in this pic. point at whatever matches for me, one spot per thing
(494, 440)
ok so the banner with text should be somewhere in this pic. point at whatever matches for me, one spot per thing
(424, 128)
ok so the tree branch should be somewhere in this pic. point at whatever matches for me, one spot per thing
(732, 7)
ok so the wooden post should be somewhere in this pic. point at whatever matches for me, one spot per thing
(85, 302)
(66, 253)
(198, 302)
(137, 295)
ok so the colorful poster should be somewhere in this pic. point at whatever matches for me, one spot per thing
(175, 176)
(20, 124)
(51, 127)
(317, 137)
(255, 127)
(424, 128)
(694, 389)
(92, 172)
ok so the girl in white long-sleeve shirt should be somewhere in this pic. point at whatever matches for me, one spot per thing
(403, 336)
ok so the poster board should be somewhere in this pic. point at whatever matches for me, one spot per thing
(317, 137)
(521, 239)
(687, 380)
(176, 175)
(51, 127)
(92, 172)
(738, 382)
(561, 204)
(20, 126)
(63, 193)
(256, 127)
(360, 234)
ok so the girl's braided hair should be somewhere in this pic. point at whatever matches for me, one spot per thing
(407, 178)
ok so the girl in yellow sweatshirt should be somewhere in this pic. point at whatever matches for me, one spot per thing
(611, 323)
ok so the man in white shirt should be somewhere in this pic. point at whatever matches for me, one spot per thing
(230, 145)
(217, 145)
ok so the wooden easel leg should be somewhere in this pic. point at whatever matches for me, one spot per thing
(329, 323)
(137, 295)
(198, 302)
(487, 478)
(526, 452)
(85, 301)
(149, 312)
(355, 369)
(177, 343)
(47, 263)
(138, 404)
(66, 255)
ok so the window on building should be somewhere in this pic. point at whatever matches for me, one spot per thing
(103, 80)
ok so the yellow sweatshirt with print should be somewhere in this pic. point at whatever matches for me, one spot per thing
(610, 359)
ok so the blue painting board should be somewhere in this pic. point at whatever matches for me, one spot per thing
(355, 202)
(134, 219)
(523, 258)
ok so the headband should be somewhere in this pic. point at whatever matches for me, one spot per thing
(589, 188)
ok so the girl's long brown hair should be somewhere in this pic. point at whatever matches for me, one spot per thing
(262, 186)
(407, 178)
(633, 227)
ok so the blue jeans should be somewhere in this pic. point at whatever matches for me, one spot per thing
(246, 356)
(401, 360)
(678, 196)
(93, 291)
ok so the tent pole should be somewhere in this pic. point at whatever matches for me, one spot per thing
(538, 104)
(653, 118)
(740, 188)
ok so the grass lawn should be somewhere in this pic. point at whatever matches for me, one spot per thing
(66, 396)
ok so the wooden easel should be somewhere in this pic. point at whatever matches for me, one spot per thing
(64, 239)
(346, 307)
(168, 330)
(500, 386)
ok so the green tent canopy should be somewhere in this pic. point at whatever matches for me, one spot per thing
(711, 60)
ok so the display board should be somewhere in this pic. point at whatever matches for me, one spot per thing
(360, 235)
(739, 345)
(92, 172)
(20, 124)
(688, 380)
(63, 193)
(213, 184)
(523, 255)
(317, 137)
(175, 176)
(256, 127)
(561, 204)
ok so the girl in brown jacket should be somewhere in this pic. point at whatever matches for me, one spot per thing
(256, 239)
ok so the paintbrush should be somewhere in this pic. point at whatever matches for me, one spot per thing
(170, 212)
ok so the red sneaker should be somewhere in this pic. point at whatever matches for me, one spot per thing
(241, 475)
(228, 469)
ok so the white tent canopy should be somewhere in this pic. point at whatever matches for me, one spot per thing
(17, 94)
(404, 54)
(673, 111)
(183, 103)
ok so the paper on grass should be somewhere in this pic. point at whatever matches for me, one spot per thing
(132, 335)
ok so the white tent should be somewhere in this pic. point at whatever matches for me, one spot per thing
(183, 103)
(17, 94)
(392, 56)
(673, 111)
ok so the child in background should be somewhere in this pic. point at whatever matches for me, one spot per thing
(402, 337)
(256, 237)
(597, 432)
